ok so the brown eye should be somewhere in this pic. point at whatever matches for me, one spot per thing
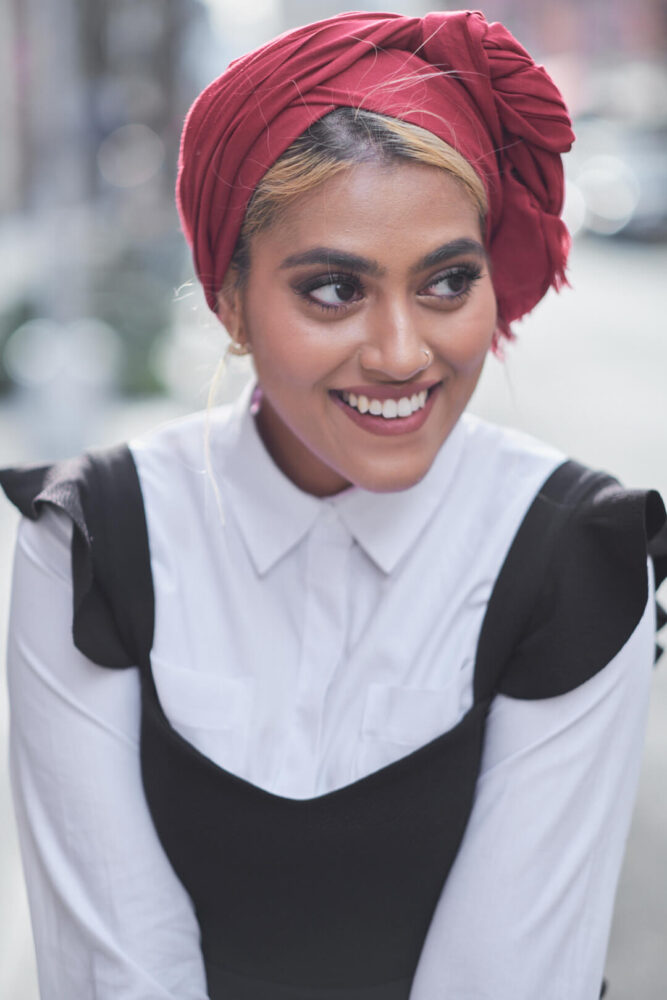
(331, 291)
(455, 283)
(335, 293)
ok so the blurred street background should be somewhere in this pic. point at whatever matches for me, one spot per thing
(103, 332)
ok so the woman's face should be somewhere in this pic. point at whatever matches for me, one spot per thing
(370, 293)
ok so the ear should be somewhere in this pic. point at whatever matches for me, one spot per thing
(230, 311)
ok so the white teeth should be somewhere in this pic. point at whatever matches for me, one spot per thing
(387, 408)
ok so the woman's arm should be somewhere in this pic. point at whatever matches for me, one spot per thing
(527, 907)
(110, 918)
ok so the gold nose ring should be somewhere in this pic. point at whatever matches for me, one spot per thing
(429, 356)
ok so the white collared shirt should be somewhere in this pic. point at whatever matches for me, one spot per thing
(303, 643)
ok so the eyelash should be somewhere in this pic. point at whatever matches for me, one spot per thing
(471, 272)
(306, 288)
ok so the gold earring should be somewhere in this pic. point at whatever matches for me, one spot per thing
(236, 349)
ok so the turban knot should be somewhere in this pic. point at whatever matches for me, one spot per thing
(465, 80)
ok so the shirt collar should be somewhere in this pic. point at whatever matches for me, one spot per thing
(274, 515)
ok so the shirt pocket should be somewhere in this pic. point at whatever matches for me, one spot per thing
(398, 719)
(212, 713)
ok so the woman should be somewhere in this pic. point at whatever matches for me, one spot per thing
(381, 671)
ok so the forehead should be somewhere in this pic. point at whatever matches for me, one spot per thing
(377, 210)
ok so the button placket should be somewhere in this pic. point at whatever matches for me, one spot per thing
(323, 644)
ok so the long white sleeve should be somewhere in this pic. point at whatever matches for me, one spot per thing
(110, 918)
(528, 904)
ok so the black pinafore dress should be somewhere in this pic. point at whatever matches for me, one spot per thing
(330, 898)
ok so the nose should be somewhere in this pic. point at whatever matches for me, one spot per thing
(394, 350)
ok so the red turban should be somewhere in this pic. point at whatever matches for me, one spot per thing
(466, 81)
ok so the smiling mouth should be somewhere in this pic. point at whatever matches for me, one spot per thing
(389, 409)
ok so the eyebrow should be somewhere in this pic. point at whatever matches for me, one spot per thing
(456, 248)
(331, 259)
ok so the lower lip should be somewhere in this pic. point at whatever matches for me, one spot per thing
(397, 425)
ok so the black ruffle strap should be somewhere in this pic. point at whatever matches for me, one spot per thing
(113, 605)
(657, 549)
(594, 590)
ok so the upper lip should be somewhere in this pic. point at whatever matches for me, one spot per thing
(390, 391)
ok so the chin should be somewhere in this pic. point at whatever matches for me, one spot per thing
(390, 480)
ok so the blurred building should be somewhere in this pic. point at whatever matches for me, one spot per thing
(91, 107)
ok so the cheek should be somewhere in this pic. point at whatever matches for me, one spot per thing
(290, 348)
(288, 353)
(470, 338)
(274, 337)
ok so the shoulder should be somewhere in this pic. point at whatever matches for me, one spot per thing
(98, 500)
(585, 543)
(84, 487)
(506, 443)
(182, 467)
(94, 499)
(488, 485)
(179, 446)
(502, 469)
(572, 583)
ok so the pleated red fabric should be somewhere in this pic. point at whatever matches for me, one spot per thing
(454, 74)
